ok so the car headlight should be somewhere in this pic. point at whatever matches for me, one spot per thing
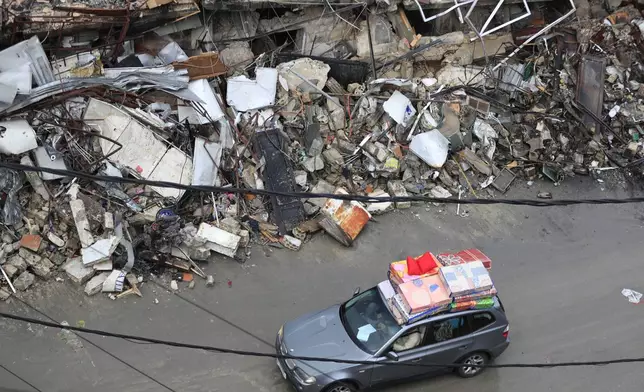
(304, 378)
(280, 333)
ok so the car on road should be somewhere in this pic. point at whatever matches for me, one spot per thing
(363, 329)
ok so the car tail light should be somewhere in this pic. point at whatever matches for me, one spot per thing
(506, 331)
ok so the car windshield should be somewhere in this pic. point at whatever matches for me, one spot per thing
(368, 321)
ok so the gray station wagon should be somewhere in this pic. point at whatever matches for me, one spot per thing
(363, 329)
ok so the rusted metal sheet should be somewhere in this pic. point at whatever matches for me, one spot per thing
(590, 88)
(344, 220)
(203, 66)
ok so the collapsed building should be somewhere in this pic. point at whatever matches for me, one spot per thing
(244, 106)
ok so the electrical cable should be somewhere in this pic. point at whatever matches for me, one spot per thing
(45, 323)
(306, 195)
(20, 378)
(309, 358)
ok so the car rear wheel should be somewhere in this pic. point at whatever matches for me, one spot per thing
(479, 359)
(341, 387)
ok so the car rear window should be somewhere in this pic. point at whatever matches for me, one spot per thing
(481, 320)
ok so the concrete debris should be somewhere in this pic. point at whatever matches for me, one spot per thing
(23, 281)
(77, 272)
(373, 107)
(99, 251)
(95, 284)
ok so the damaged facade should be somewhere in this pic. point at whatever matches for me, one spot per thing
(433, 98)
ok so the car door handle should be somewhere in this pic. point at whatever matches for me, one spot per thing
(416, 360)
(465, 347)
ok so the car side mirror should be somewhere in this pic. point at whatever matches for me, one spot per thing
(392, 355)
(356, 291)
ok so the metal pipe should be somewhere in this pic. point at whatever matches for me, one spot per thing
(536, 35)
(305, 80)
(447, 11)
(484, 32)
(373, 59)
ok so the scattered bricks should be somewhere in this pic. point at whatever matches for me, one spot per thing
(95, 285)
(77, 272)
(17, 262)
(397, 189)
(30, 241)
(43, 269)
(7, 239)
(10, 270)
(23, 281)
(30, 258)
(4, 294)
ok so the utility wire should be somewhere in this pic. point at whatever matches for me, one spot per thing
(307, 358)
(57, 325)
(20, 378)
(306, 195)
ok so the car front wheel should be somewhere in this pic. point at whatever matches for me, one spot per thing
(478, 359)
(341, 387)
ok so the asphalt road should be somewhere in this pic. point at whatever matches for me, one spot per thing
(559, 272)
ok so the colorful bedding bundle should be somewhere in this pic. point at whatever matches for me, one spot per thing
(413, 268)
(423, 294)
(465, 256)
(400, 307)
(428, 285)
(476, 296)
(482, 303)
(465, 279)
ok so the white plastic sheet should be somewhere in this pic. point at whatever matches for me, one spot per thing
(431, 147)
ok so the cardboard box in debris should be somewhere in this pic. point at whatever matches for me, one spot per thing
(386, 99)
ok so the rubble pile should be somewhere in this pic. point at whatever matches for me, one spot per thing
(395, 99)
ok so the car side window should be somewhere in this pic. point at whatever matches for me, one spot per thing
(481, 320)
(409, 340)
(443, 330)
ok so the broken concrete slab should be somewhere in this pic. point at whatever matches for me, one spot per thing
(312, 70)
(380, 207)
(4, 294)
(95, 284)
(144, 154)
(29, 257)
(321, 187)
(333, 157)
(99, 251)
(18, 262)
(23, 281)
(43, 269)
(313, 164)
(218, 240)
(245, 94)
(82, 223)
(77, 272)
(10, 270)
(397, 189)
